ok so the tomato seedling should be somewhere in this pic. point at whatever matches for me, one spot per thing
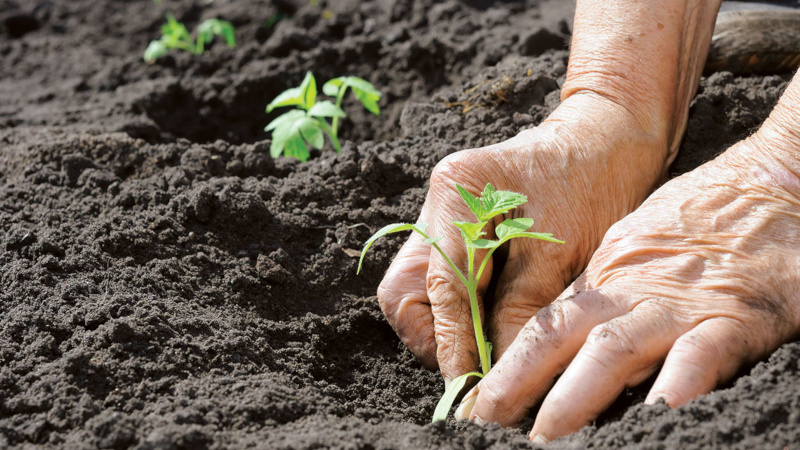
(490, 204)
(294, 130)
(174, 35)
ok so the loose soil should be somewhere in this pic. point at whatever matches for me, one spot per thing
(165, 284)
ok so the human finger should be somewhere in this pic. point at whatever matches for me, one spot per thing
(541, 351)
(709, 354)
(403, 297)
(617, 354)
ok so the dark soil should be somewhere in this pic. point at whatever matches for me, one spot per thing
(165, 284)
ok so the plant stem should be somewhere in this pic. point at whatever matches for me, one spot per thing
(486, 362)
(339, 98)
(336, 146)
(472, 287)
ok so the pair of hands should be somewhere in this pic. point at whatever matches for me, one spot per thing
(700, 279)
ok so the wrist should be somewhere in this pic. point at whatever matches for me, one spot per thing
(613, 135)
(643, 55)
(777, 142)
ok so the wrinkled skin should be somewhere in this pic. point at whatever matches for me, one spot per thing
(423, 299)
(702, 278)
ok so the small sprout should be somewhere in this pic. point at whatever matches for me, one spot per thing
(174, 35)
(490, 204)
(294, 130)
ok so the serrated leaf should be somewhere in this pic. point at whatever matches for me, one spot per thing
(331, 88)
(309, 89)
(499, 202)
(470, 231)
(285, 119)
(389, 229)
(289, 97)
(326, 108)
(511, 226)
(449, 396)
(473, 203)
(296, 148)
(434, 240)
(483, 243)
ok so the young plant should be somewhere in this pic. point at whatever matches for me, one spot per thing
(490, 204)
(174, 35)
(294, 130)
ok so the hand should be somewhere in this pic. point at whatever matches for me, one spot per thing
(555, 165)
(631, 75)
(703, 278)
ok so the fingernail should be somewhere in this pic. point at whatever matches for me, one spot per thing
(539, 439)
(478, 421)
(466, 405)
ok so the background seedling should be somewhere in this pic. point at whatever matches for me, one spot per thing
(294, 130)
(490, 204)
(174, 35)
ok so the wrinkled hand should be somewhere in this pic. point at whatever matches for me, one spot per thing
(703, 277)
(556, 166)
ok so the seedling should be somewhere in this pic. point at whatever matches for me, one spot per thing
(174, 35)
(294, 130)
(490, 204)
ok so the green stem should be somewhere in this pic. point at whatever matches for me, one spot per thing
(332, 135)
(201, 45)
(339, 98)
(486, 359)
(185, 46)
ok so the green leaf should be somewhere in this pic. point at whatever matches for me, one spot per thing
(512, 226)
(175, 31)
(370, 103)
(389, 229)
(309, 89)
(311, 131)
(296, 148)
(289, 97)
(542, 236)
(434, 240)
(470, 231)
(212, 27)
(449, 397)
(280, 136)
(473, 203)
(326, 108)
(285, 119)
(331, 88)
(360, 84)
(155, 50)
(499, 202)
(483, 243)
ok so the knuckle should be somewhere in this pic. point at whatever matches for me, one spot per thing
(493, 395)
(455, 168)
(442, 291)
(610, 342)
(548, 323)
